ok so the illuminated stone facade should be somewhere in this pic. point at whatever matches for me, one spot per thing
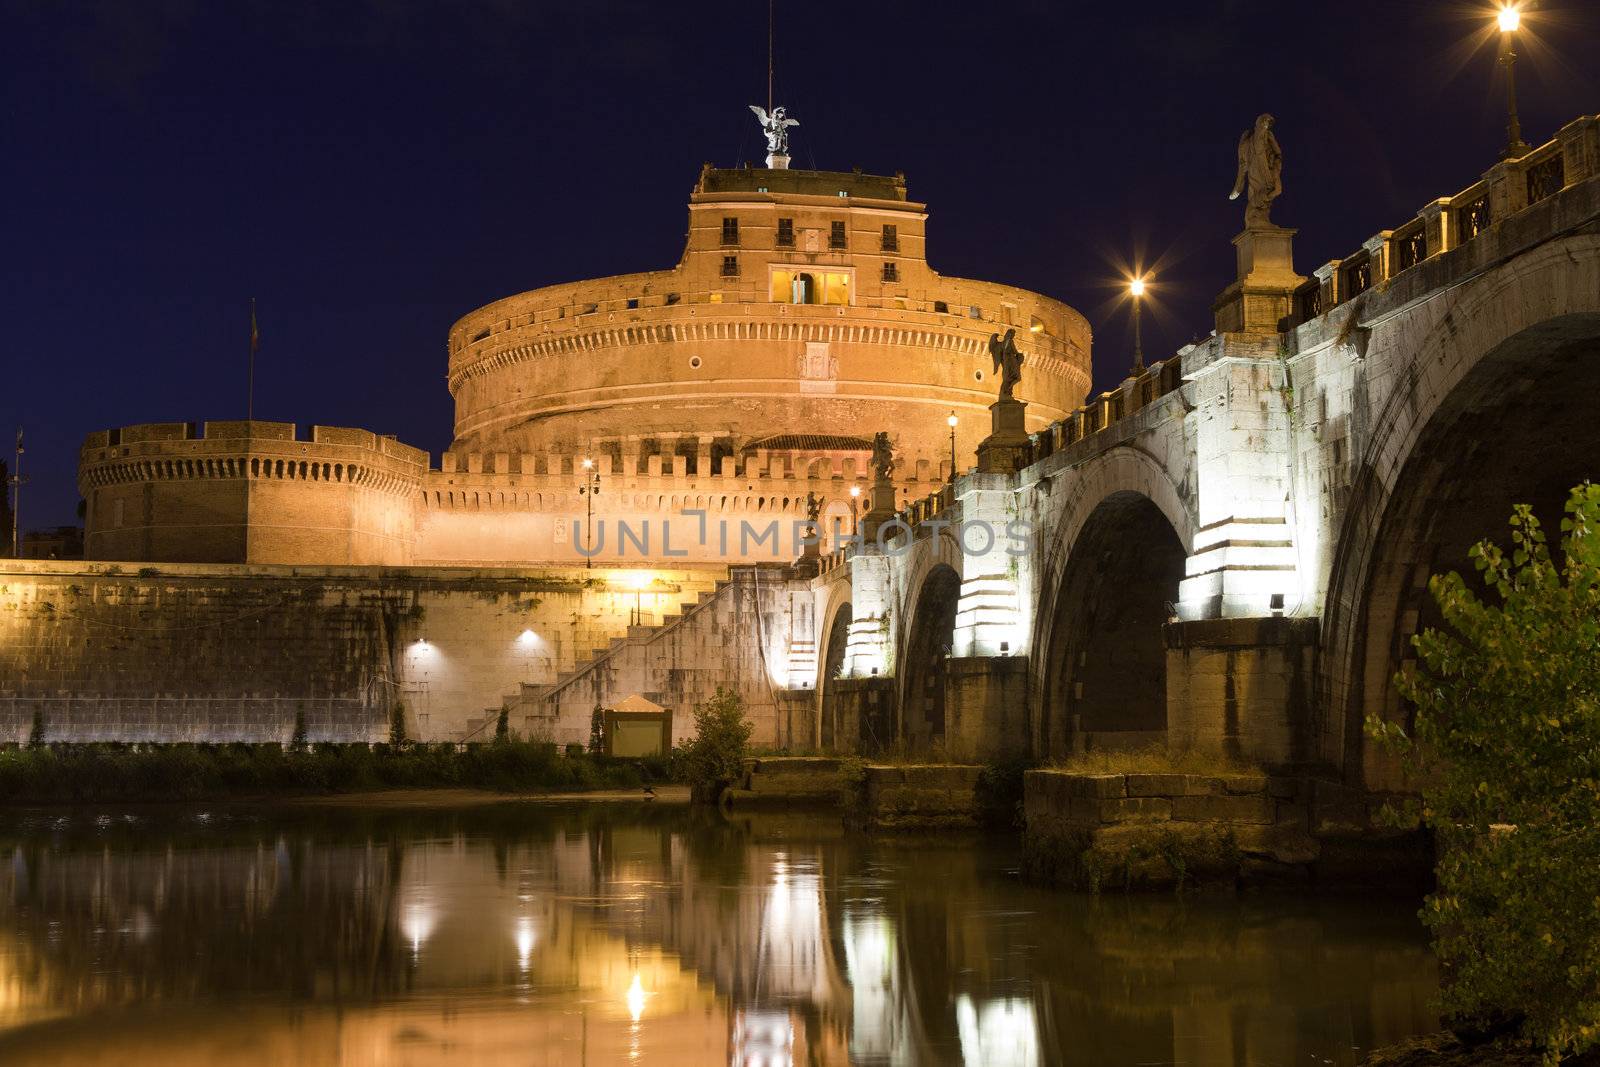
(802, 319)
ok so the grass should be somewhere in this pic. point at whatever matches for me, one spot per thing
(1153, 759)
(112, 772)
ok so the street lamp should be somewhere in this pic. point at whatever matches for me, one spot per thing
(855, 494)
(590, 487)
(1136, 287)
(952, 423)
(1510, 20)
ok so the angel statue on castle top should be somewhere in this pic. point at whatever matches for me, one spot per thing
(776, 127)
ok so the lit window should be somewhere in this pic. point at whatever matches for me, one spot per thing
(891, 239)
(730, 266)
(810, 287)
(730, 231)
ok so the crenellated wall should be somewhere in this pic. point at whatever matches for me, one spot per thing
(249, 492)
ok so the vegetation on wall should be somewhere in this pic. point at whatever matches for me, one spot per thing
(1506, 741)
(53, 774)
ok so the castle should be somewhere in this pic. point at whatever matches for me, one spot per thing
(802, 319)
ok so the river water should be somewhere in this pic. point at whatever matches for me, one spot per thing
(539, 934)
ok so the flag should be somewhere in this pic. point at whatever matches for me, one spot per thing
(255, 332)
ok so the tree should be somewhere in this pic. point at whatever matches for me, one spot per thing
(397, 725)
(714, 759)
(1506, 741)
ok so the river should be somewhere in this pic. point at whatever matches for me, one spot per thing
(596, 934)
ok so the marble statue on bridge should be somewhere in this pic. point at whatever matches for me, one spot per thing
(1261, 164)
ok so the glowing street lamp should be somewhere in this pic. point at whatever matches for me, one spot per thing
(855, 495)
(1136, 287)
(590, 487)
(1510, 19)
(952, 422)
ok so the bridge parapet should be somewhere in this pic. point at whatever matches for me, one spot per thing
(1450, 222)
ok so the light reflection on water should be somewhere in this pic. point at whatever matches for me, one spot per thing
(533, 935)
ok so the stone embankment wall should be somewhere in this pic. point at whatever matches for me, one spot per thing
(918, 796)
(1154, 831)
(736, 636)
(222, 652)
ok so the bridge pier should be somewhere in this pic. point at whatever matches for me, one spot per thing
(1242, 688)
(986, 706)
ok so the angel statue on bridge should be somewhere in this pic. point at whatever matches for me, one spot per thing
(1007, 361)
(1261, 162)
(776, 127)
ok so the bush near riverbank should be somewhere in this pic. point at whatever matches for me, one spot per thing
(55, 774)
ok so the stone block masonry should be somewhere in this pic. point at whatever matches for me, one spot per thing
(1162, 830)
(229, 652)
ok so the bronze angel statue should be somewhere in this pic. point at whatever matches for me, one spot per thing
(1261, 163)
(776, 127)
(1007, 361)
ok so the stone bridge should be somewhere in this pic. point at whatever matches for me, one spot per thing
(1231, 549)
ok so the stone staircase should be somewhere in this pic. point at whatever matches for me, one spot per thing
(734, 634)
(545, 694)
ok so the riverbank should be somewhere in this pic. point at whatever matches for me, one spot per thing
(78, 774)
(1444, 1049)
(398, 799)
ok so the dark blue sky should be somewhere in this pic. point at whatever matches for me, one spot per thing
(371, 169)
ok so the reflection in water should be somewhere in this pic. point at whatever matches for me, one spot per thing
(593, 935)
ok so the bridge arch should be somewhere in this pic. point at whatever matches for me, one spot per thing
(1498, 404)
(830, 666)
(1108, 580)
(924, 658)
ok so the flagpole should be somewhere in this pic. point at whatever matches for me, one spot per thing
(250, 400)
(16, 501)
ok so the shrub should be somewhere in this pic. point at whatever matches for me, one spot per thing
(397, 725)
(712, 761)
(1506, 740)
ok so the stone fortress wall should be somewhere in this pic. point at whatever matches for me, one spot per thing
(204, 652)
(803, 301)
(249, 492)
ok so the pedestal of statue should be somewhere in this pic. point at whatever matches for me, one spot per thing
(777, 161)
(1262, 294)
(1006, 448)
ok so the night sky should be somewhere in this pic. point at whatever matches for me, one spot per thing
(369, 170)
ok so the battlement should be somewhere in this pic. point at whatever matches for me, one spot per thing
(238, 491)
(255, 434)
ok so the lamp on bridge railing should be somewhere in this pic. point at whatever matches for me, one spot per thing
(1136, 286)
(1510, 19)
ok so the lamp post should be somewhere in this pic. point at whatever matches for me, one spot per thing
(952, 423)
(1510, 19)
(590, 487)
(855, 495)
(1136, 291)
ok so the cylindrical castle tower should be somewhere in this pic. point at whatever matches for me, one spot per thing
(803, 304)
